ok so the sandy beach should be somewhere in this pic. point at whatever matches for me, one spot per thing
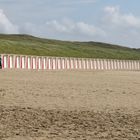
(69, 105)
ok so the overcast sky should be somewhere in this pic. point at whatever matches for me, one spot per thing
(111, 21)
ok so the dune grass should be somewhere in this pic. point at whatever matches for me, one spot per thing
(30, 45)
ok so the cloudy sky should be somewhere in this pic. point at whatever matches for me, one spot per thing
(111, 21)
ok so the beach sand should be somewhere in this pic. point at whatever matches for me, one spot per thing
(69, 105)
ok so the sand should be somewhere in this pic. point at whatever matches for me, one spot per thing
(69, 105)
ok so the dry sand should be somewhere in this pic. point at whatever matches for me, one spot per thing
(69, 105)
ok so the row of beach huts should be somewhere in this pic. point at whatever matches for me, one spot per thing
(11, 61)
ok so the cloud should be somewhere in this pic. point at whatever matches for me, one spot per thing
(65, 29)
(116, 18)
(74, 28)
(28, 28)
(120, 27)
(73, 2)
(5, 25)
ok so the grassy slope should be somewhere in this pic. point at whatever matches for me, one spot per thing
(29, 45)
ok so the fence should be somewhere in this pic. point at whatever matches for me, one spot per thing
(9, 61)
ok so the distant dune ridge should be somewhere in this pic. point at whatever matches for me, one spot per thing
(30, 45)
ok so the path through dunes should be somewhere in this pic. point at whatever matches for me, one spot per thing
(69, 105)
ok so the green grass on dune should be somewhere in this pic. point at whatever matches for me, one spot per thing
(29, 45)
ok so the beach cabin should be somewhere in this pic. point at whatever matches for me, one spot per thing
(0, 62)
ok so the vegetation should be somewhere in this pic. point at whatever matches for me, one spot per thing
(30, 45)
